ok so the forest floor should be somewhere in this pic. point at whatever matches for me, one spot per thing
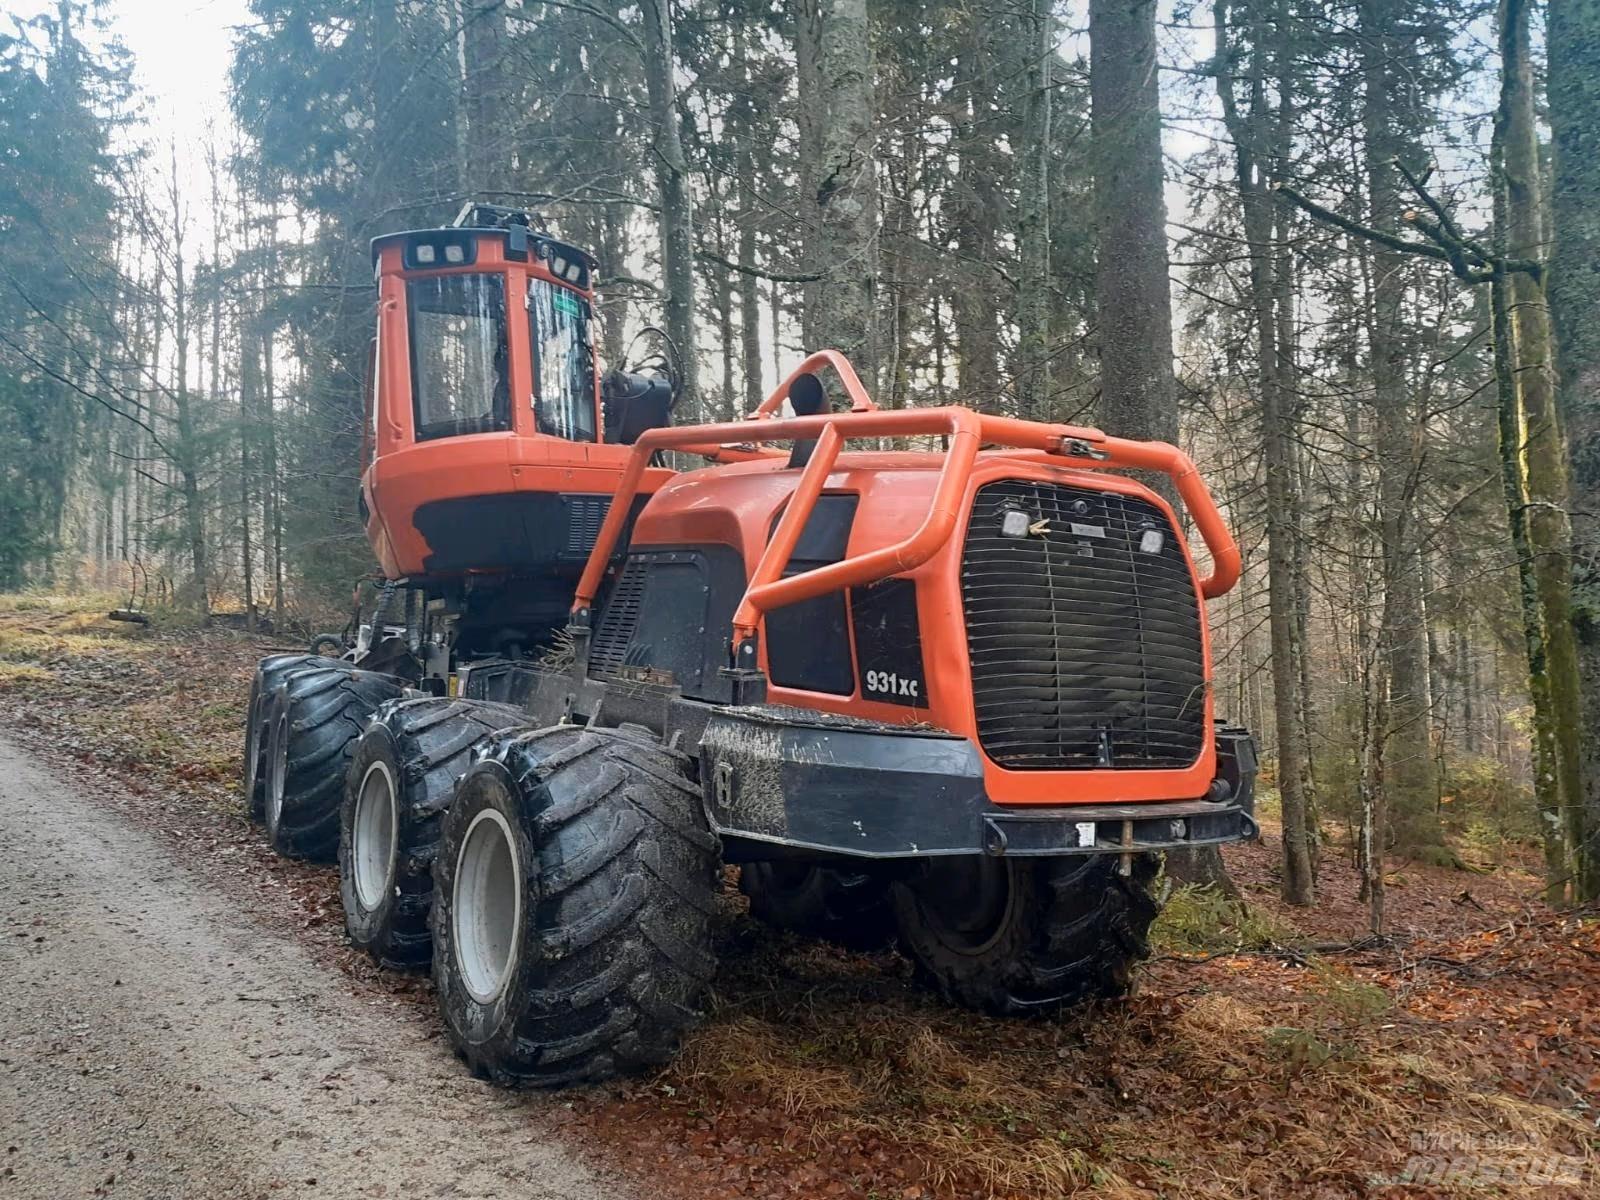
(1273, 1054)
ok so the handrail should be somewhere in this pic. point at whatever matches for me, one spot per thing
(859, 400)
(745, 452)
(968, 431)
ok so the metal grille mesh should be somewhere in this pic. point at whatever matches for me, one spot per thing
(1086, 648)
(618, 620)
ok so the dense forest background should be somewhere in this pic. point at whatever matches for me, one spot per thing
(1365, 204)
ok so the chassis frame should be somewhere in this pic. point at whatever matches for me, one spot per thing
(782, 783)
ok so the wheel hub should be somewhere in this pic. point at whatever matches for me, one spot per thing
(967, 902)
(373, 836)
(487, 905)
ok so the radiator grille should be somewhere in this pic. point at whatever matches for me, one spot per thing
(619, 620)
(1086, 649)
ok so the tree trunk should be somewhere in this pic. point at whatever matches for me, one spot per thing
(811, 115)
(1574, 290)
(613, 261)
(1137, 391)
(1138, 394)
(483, 37)
(843, 314)
(748, 219)
(1033, 215)
(728, 399)
(1532, 451)
(677, 205)
(249, 385)
(1547, 782)
(1248, 130)
(1374, 805)
(270, 472)
(900, 224)
(187, 445)
(975, 206)
(1407, 769)
(1286, 229)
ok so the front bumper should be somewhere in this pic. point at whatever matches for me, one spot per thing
(795, 783)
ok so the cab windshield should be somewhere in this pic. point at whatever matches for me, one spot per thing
(563, 361)
(459, 382)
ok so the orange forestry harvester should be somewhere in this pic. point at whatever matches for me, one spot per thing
(957, 696)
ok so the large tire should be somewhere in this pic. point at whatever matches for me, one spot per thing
(402, 777)
(574, 892)
(846, 907)
(1014, 936)
(270, 672)
(315, 717)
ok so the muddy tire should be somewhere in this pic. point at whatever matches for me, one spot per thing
(1014, 936)
(270, 672)
(846, 907)
(315, 717)
(402, 776)
(574, 891)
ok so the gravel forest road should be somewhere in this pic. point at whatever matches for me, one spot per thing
(157, 1041)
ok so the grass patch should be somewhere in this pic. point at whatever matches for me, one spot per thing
(19, 643)
(1201, 920)
(968, 1117)
(47, 602)
(41, 629)
(849, 1054)
(16, 676)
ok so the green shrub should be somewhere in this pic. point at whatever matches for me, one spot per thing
(1201, 920)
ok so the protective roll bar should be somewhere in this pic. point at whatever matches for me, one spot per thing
(968, 431)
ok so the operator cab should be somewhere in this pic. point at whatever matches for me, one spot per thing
(485, 450)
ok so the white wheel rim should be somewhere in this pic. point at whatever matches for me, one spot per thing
(252, 752)
(486, 905)
(277, 766)
(373, 836)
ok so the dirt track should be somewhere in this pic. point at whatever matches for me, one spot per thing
(157, 1042)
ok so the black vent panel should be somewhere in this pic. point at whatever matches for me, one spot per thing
(585, 515)
(1083, 630)
(619, 620)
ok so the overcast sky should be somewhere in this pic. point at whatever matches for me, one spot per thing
(180, 54)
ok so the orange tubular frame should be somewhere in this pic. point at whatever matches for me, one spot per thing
(968, 431)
